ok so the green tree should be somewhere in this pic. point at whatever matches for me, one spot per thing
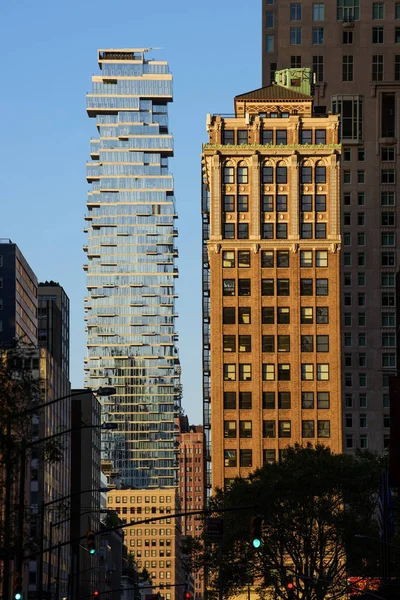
(313, 503)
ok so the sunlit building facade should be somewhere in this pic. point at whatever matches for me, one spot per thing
(131, 272)
(271, 280)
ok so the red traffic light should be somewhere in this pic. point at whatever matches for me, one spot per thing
(188, 596)
(290, 586)
(96, 593)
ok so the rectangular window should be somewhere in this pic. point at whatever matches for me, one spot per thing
(267, 136)
(229, 175)
(244, 288)
(243, 175)
(267, 175)
(397, 67)
(295, 12)
(281, 175)
(306, 203)
(230, 458)
(347, 67)
(243, 138)
(307, 343)
(306, 315)
(397, 10)
(281, 137)
(323, 400)
(228, 231)
(270, 19)
(318, 68)
(321, 287)
(320, 231)
(388, 176)
(397, 35)
(243, 231)
(351, 110)
(229, 372)
(295, 36)
(283, 314)
(244, 372)
(320, 136)
(244, 315)
(318, 11)
(230, 400)
(306, 231)
(245, 400)
(267, 287)
(243, 258)
(269, 42)
(322, 343)
(283, 287)
(228, 137)
(306, 258)
(377, 67)
(228, 315)
(307, 429)
(378, 10)
(267, 231)
(347, 37)
(388, 153)
(306, 136)
(306, 175)
(324, 429)
(269, 430)
(322, 372)
(246, 458)
(377, 35)
(317, 36)
(229, 429)
(281, 202)
(306, 287)
(284, 400)
(321, 258)
(229, 203)
(282, 259)
(307, 400)
(322, 315)
(244, 343)
(295, 62)
(348, 10)
(320, 174)
(228, 259)
(281, 231)
(268, 399)
(268, 315)
(267, 259)
(228, 287)
(268, 343)
(229, 343)
(243, 203)
(285, 429)
(283, 343)
(307, 372)
(268, 372)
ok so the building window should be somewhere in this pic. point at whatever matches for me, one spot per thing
(397, 67)
(245, 429)
(306, 175)
(307, 343)
(318, 68)
(306, 231)
(244, 372)
(322, 343)
(306, 258)
(320, 231)
(268, 372)
(244, 288)
(229, 372)
(321, 287)
(229, 203)
(295, 12)
(270, 19)
(283, 287)
(322, 372)
(244, 343)
(324, 429)
(268, 399)
(229, 429)
(295, 62)
(306, 203)
(323, 400)
(269, 456)
(377, 67)
(243, 203)
(228, 137)
(230, 400)
(282, 259)
(295, 36)
(307, 372)
(397, 35)
(388, 153)
(388, 176)
(283, 315)
(348, 10)
(228, 259)
(285, 429)
(284, 400)
(228, 287)
(347, 67)
(320, 136)
(281, 175)
(283, 372)
(267, 259)
(281, 137)
(306, 287)
(228, 315)
(267, 231)
(281, 231)
(307, 429)
(321, 258)
(229, 175)
(243, 231)
(228, 231)
(269, 42)
(243, 259)
(243, 174)
(307, 400)
(318, 11)
(361, 176)
(269, 429)
(267, 177)
(306, 315)
(306, 136)
(267, 287)
(351, 110)
(245, 400)
(377, 35)
(267, 137)
(268, 343)
(268, 315)
(244, 315)
(317, 36)
(229, 343)
(378, 10)
(230, 458)
(347, 37)
(246, 458)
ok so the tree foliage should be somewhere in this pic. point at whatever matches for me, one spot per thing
(313, 503)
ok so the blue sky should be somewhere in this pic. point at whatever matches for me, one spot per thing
(48, 51)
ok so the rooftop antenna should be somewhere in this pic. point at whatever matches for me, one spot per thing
(148, 49)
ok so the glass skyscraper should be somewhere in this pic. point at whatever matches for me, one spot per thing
(131, 272)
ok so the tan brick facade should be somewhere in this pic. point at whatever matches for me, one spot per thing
(274, 280)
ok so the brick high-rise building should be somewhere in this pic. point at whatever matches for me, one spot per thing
(271, 280)
(191, 486)
(353, 49)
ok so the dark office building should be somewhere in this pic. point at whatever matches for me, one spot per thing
(53, 322)
(18, 296)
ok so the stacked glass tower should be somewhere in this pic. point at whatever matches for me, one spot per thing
(131, 266)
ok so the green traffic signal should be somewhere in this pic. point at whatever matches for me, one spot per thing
(18, 580)
(91, 542)
(256, 531)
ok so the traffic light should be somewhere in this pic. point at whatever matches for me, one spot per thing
(255, 531)
(91, 542)
(290, 590)
(18, 586)
(188, 595)
(96, 594)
